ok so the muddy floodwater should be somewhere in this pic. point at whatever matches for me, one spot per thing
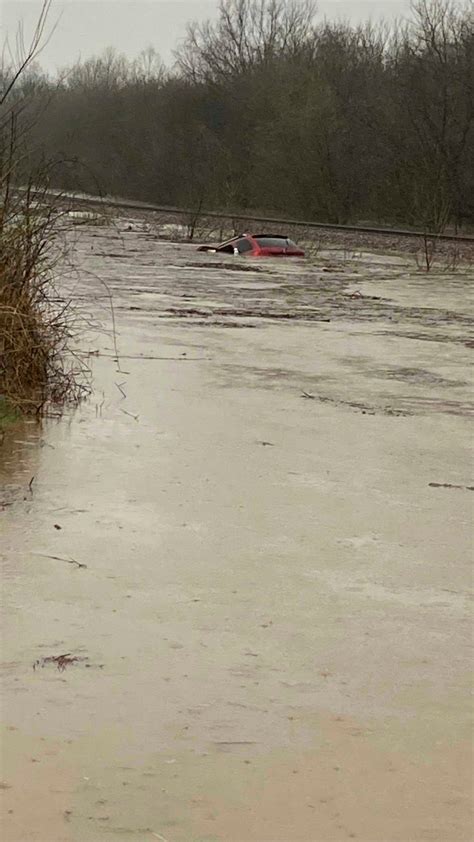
(236, 580)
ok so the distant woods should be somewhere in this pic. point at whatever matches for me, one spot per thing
(270, 109)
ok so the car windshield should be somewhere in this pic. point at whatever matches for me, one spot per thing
(239, 243)
(275, 242)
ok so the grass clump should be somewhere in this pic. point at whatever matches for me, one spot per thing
(37, 369)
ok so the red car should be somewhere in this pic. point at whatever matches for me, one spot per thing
(258, 245)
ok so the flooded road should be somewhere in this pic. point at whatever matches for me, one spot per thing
(252, 544)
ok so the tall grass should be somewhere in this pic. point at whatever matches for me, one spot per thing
(37, 368)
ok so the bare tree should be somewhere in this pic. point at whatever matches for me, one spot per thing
(435, 80)
(247, 32)
(269, 110)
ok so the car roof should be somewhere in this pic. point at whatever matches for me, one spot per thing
(248, 234)
(257, 236)
(272, 236)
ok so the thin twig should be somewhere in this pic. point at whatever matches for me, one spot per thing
(119, 387)
(61, 558)
(135, 417)
(131, 357)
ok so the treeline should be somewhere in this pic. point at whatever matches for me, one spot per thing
(268, 109)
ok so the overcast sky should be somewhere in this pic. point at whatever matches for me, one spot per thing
(87, 27)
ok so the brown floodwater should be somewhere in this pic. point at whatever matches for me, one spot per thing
(253, 545)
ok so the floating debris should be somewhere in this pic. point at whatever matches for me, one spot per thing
(450, 485)
(61, 661)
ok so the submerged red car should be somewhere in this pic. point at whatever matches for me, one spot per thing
(258, 245)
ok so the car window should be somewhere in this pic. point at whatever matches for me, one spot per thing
(244, 245)
(275, 242)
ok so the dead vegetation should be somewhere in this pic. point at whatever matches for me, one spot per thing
(36, 325)
(37, 369)
(60, 661)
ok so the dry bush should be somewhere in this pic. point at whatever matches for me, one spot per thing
(37, 368)
(426, 255)
(36, 325)
(311, 241)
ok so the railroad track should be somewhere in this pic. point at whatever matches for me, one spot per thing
(129, 204)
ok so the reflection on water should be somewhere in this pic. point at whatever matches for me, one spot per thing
(20, 454)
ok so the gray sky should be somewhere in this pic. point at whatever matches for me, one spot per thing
(87, 27)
